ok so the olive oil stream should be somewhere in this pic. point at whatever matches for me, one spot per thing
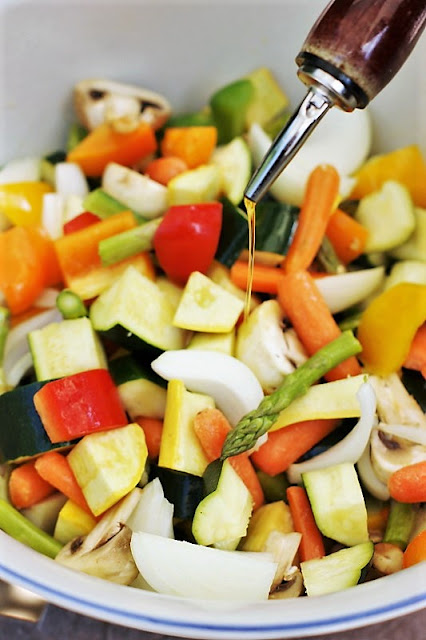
(250, 207)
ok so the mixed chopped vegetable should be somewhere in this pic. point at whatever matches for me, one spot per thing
(157, 433)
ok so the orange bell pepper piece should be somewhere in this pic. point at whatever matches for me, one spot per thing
(104, 145)
(27, 264)
(194, 145)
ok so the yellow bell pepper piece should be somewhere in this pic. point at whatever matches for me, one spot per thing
(388, 326)
(22, 202)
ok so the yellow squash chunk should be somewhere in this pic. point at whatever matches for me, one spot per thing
(109, 464)
(336, 399)
(180, 448)
(206, 306)
(72, 521)
(222, 342)
(274, 516)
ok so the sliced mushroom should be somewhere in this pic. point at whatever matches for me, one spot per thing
(97, 101)
(389, 453)
(291, 587)
(265, 348)
(283, 547)
(387, 558)
(394, 404)
(105, 551)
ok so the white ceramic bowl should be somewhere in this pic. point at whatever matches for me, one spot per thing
(185, 49)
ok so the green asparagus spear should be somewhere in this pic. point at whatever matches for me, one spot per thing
(128, 243)
(399, 525)
(259, 421)
(71, 305)
(17, 526)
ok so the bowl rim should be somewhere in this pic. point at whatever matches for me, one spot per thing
(369, 603)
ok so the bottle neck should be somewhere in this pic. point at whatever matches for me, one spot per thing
(339, 89)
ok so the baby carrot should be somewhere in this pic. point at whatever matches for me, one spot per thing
(318, 203)
(347, 236)
(55, 469)
(265, 279)
(153, 429)
(312, 320)
(311, 544)
(27, 487)
(212, 427)
(415, 551)
(286, 445)
(408, 484)
(163, 169)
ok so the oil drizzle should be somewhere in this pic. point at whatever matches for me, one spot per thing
(250, 207)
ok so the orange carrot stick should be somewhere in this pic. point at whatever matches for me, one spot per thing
(312, 320)
(311, 544)
(415, 551)
(286, 445)
(27, 487)
(153, 429)
(347, 236)
(408, 484)
(265, 279)
(318, 203)
(416, 358)
(54, 468)
(162, 170)
(104, 145)
(211, 427)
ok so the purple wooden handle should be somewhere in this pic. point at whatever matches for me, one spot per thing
(366, 40)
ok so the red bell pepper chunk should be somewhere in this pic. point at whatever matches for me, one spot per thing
(187, 239)
(80, 404)
(81, 221)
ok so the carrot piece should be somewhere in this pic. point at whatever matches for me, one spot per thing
(265, 279)
(153, 429)
(27, 487)
(347, 236)
(415, 551)
(312, 320)
(286, 445)
(193, 144)
(408, 484)
(311, 544)
(416, 358)
(54, 468)
(104, 145)
(78, 252)
(211, 427)
(163, 169)
(319, 200)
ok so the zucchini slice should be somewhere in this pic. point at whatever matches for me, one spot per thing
(135, 313)
(336, 571)
(22, 434)
(338, 503)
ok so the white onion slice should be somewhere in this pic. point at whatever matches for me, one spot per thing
(351, 448)
(368, 477)
(70, 180)
(17, 371)
(52, 214)
(16, 342)
(47, 299)
(21, 170)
